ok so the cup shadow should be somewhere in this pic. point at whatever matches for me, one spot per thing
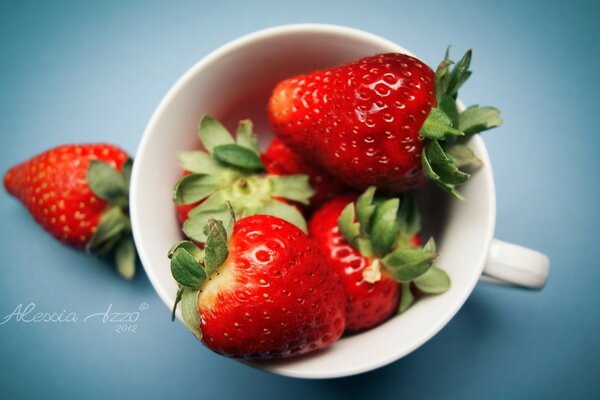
(467, 331)
(434, 208)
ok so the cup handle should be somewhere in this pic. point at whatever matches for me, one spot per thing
(514, 265)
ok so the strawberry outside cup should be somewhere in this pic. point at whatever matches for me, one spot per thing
(234, 82)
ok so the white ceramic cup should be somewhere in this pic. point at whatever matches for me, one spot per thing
(234, 82)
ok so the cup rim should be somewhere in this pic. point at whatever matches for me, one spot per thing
(304, 28)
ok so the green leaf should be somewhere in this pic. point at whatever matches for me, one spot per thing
(238, 156)
(194, 187)
(108, 233)
(364, 246)
(364, 210)
(431, 175)
(441, 169)
(384, 228)
(106, 182)
(177, 300)
(186, 270)
(448, 81)
(347, 225)
(443, 165)
(284, 211)
(463, 78)
(407, 263)
(459, 74)
(199, 162)
(406, 298)
(427, 168)
(448, 105)
(408, 219)
(232, 221)
(477, 119)
(441, 77)
(213, 133)
(215, 251)
(463, 156)
(215, 203)
(193, 228)
(434, 281)
(292, 187)
(107, 246)
(188, 246)
(245, 137)
(215, 206)
(125, 258)
(430, 246)
(438, 126)
(126, 172)
(189, 312)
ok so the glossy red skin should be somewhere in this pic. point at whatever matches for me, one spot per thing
(360, 121)
(281, 160)
(298, 306)
(53, 186)
(369, 304)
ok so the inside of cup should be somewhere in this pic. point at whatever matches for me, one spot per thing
(234, 83)
(245, 75)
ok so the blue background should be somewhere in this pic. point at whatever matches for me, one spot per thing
(94, 71)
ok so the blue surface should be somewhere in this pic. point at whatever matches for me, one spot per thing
(94, 71)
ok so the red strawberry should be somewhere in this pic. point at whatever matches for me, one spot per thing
(230, 170)
(374, 121)
(79, 194)
(263, 293)
(373, 247)
(281, 160)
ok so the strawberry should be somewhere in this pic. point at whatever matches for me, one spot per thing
(79, 194)
(281, 160)
(373, 245)
(259, 290)
(386, 120)
(230, 171)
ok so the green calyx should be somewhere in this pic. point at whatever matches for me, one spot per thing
(230, 171)
(381, 229)
(192, 266)
(113, 234)
(445, 156)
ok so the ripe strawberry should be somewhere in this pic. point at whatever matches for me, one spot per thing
(376, 256)
(230, 170)
(386, 120)
(261, 291)
(281, 160)
(79, 193)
